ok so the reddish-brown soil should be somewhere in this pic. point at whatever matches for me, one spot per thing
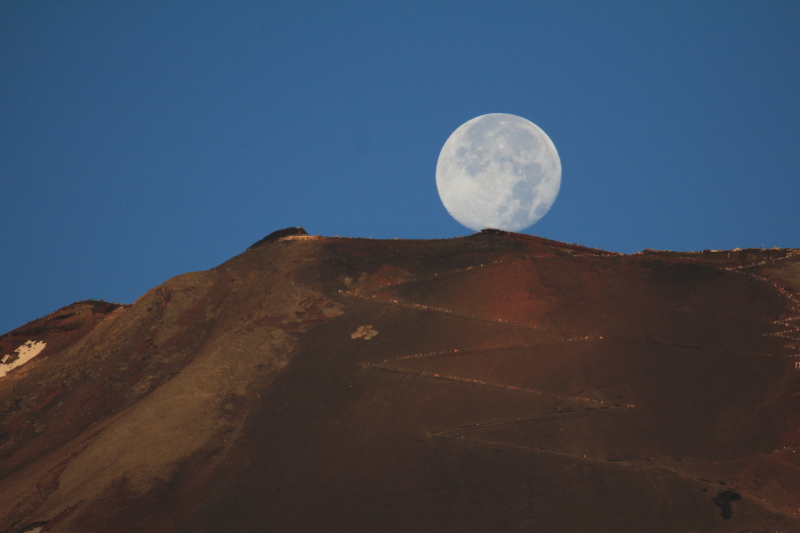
(497, 382)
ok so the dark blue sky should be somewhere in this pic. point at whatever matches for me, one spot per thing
(140, 140)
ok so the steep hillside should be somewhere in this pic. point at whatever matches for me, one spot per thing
(497, 382)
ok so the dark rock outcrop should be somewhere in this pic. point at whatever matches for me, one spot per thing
(280, 234)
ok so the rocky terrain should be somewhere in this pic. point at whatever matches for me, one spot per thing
(496, 382)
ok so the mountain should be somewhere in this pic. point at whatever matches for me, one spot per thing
(496, 382)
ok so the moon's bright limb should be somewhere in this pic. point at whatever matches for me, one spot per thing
(498, 171)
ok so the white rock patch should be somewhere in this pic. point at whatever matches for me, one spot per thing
(365, 332)
(25, 352)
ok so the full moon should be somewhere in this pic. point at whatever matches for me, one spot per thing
(498, 171)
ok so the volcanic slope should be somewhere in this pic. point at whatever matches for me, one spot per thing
(496, 382)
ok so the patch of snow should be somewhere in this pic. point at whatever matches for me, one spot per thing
(25, 352)
(365, 332)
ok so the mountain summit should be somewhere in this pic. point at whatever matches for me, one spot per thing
(496, 382)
